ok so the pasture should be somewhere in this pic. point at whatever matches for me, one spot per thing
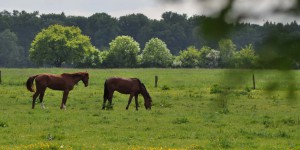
(187, 112)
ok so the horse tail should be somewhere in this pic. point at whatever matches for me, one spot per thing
(29, 83)
(105, 95)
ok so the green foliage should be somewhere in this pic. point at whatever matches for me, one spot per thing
(246, 58)
(210, 58)
(123, 52)
(136, 26)
(102, 28)
(190, 58)
(280, 51)
(204, 52)
(59, 44)
(92, 60)
(217, 27)
(227, 49)
(156, 54)
(11, 54)
(177, 30)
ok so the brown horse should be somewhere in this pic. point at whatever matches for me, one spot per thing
(63, 82)
(132, 86)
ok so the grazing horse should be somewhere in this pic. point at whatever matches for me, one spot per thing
(63, 82)
(132, 86)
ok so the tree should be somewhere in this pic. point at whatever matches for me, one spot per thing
(10, 51)
(227, 49)
(246, 57)
(156, 54)
(92, 60)
(132, 24)
(102, 28)
(176, 30)
(5, 19)
(208, 57)
(123, 52)
(190, 57)
(25, 26)
(59, 44)
(78, 21)
(212, 59)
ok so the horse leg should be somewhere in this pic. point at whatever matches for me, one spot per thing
(110, 96)
(64, 99)
(129, 101)
(136, 101)
(41, 98)
(104, 102)
(35, 95)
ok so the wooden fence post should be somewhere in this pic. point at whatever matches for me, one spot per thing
(253, 78)
(156, 80)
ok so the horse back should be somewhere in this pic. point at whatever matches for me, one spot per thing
(123, 85)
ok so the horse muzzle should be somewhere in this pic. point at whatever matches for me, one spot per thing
(148, 107)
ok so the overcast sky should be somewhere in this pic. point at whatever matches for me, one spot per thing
(151, 8)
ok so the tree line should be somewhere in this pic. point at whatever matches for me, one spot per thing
(173, 41)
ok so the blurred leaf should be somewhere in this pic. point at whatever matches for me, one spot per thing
(215, 28)
(280, 51)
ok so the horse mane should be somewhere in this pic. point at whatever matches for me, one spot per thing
(146, 91)
(139, 81)
(77, 74)
(143, 86)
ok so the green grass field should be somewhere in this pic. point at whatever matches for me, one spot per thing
(185, 114)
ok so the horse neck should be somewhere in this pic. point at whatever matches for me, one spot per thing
(144, 94)
(75, 78)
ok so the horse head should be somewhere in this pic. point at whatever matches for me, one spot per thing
(148, 103)
(147, 97)
(85, 78)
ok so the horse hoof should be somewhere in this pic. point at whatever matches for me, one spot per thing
(43, 106)
(63, 108)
